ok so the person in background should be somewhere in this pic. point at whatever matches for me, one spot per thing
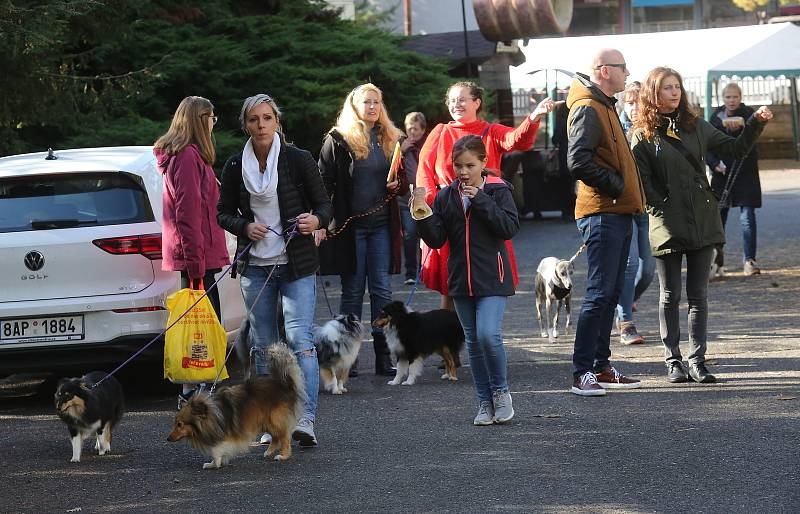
(464, 101)
(191, 240)
(354, 162)
(670, 143)
(566, 184)
(609, 194)
(415, 130)
(735, 181)
(641, 265)
(267, 189)
(477, 215)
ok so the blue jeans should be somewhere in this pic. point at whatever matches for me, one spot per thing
(640, 268)
(482, 320)
(299, 301)
(410, 241)
(608, 240)
(373, 257)
(747, 219)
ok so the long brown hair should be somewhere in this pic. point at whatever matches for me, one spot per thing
(648, 118)
(190, 126)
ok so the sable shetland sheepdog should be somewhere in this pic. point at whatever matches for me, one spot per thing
(222, 425)
(412, 336)
(87, 409)
(338, 342)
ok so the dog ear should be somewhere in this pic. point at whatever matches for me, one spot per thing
(199, 409)
(84, 385)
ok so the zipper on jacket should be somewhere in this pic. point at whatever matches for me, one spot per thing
(501, 272)
(466, 246)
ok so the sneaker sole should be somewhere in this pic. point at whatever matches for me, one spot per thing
(707, 380)
(615, 385)
(592, 392)
(681, 380)
(482, 423)
(504, 420)
(304, 440)
(635, 341)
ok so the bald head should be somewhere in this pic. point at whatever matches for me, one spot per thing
(608, 70)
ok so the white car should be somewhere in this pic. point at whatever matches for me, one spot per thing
(81, 283)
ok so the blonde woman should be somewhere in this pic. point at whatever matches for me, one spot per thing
(354, 162)
(191, 240)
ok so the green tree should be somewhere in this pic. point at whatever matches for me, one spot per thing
(114, 72)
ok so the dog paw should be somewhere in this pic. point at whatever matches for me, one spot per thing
(101, 452)
(393, 382)
(552, 340)
(210, 465)
(544, 334)
(338, 391)
(453, 378)
(445, 376)
(342, 390)
(280, 457)
(407, 383)
(75, 459)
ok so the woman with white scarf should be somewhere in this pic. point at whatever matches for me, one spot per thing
(273, 196)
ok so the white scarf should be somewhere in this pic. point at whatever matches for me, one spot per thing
(261, 185)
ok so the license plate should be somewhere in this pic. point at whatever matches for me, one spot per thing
(30, 330)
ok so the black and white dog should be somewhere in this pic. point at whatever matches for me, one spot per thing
(554, 285)
(338, 342)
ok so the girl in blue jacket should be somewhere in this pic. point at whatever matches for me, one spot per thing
(476, 214)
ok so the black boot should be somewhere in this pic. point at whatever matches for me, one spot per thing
(383, 361)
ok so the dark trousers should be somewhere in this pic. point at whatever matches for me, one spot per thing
(208, 280)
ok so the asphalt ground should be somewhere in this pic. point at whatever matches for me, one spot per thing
(718, 448)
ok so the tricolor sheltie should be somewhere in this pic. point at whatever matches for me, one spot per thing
(89, 409)
(222, 425)
(412, 336)
(338, 342)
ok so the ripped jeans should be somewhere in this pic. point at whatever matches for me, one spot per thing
(299, 301)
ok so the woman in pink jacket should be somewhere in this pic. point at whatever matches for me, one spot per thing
(191, 242)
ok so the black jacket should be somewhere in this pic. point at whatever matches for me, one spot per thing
(479, 264)
(745, 189)
(300, 189)
(338, 254)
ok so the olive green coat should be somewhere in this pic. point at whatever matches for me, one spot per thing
(683, 209)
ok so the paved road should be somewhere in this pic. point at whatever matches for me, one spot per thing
(728, 447)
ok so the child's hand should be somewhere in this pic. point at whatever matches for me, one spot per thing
(469, 191)
(392, 186)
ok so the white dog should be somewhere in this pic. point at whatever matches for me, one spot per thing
(554, 285)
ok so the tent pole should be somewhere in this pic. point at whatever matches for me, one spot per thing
(708, 96)
(793, 95)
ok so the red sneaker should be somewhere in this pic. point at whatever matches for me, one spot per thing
(610, 378)
(586, 385)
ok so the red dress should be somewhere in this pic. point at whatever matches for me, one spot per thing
(436, 169)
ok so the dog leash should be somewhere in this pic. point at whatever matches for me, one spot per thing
(416, 280)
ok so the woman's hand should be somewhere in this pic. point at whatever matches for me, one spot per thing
(545, 106)
(256, 231)
(392, 186)
(307, 223)
(320, 236)
(721, 168)
(763, 114)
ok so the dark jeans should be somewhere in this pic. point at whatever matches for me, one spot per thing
(410, 241)
(608, 240)
(373, 258)
(669, 277)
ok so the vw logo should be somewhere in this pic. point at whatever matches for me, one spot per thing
(34, 261)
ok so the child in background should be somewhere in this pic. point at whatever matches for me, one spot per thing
(415, 130)
(476, 214)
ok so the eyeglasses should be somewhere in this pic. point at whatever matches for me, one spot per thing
(458, 101)
(213, 118)
(623, 66)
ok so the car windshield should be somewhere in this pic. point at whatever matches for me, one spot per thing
(46, 202)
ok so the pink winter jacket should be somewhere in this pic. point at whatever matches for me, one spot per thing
(191, 240)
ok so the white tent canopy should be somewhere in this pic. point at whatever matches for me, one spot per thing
(692, 52)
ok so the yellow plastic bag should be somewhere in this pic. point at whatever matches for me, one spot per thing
(194, 350)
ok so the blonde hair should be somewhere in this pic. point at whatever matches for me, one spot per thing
(354, 130)
(732, 85)
(189, 126)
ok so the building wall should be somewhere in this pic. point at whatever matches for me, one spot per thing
(429, 16)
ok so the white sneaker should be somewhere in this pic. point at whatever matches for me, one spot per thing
(485, 414)
(266, 438)
(503, 406)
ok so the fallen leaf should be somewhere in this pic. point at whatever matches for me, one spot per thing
(787, 397)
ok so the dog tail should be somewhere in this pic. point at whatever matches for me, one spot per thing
(580, 251)
(286, 371)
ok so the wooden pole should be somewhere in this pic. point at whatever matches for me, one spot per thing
(407, 17)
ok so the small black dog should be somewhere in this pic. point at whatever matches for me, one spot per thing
(412, 336)
(87, 409)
